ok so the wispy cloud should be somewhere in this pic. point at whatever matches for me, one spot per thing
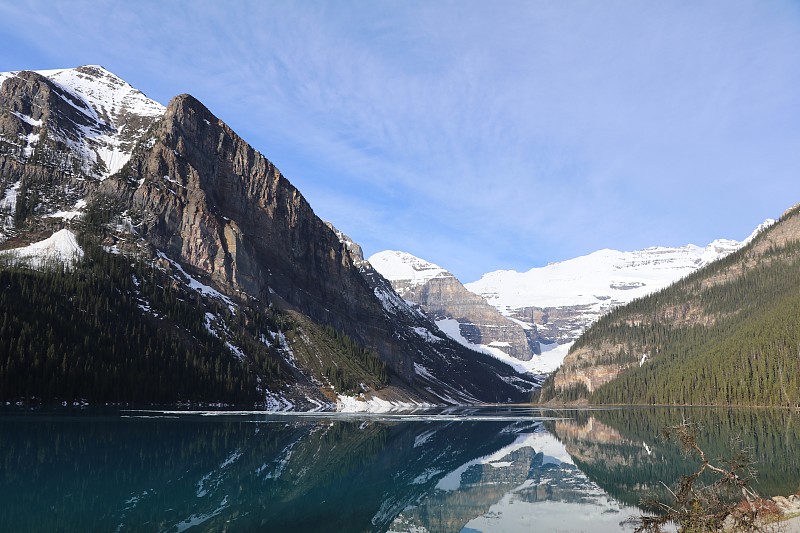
(477, 136)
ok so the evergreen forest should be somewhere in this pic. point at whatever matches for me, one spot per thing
(112, 330)
(729, 334)
(118, 329)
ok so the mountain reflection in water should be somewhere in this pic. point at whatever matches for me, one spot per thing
(473, 470)
(624, 451)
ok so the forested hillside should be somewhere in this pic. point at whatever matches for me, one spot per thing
(727, 334)
(116, 329)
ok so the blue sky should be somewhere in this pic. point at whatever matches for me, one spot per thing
(477, 135)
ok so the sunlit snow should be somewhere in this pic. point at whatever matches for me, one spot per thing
(402, 266)
(71, 214)
(61, 247)
(602, 279)
(537, 365)
(9, 201)
(106, 100)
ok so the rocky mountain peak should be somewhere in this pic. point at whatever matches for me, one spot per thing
(356, 253)
(180, 192)
(82, 121)
(463, 315)
(406, 271)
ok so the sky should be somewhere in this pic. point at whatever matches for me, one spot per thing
(477, 135)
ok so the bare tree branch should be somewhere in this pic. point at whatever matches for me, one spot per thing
(729, 503)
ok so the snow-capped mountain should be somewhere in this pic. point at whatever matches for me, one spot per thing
(213, 258)
(462, 315)
(107, 117)
(602, 279)
(562, 299)
(552, 305)
(406, 272)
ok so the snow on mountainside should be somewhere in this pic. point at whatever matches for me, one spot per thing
(562, 299)
(404, 270)
(462, 315)
(116, 115)
(602, 279)
(61, 247)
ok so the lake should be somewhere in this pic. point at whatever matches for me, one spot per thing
(455, 470)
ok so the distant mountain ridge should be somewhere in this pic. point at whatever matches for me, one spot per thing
(287, 315)
(552, 305)
(729, 333)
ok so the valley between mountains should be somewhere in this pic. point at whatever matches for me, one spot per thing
(150, 256)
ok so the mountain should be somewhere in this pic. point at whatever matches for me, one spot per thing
(562, 299)
(60, 130)
(191, 258)
(729, 333)
(531, 319)
(463, 315)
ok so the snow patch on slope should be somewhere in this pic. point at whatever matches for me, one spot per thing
(9, 201)
(198, 286)
(8, 205)
(76, 211)
(61, 247)
(537, 365)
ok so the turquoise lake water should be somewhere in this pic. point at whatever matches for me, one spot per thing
(488, 469)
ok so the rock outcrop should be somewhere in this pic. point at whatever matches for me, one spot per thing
(442, 296)
(60, 134)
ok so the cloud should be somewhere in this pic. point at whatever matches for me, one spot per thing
(483, 136)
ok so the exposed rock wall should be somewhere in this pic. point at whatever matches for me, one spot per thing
(585, 366)
(37, 122)
(479, 322)
(179, 183)
(201, 194)
(442, 296)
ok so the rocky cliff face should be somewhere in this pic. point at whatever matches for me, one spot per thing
(442, 296)
(177, 187)
(206, 197)
(479, 322)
